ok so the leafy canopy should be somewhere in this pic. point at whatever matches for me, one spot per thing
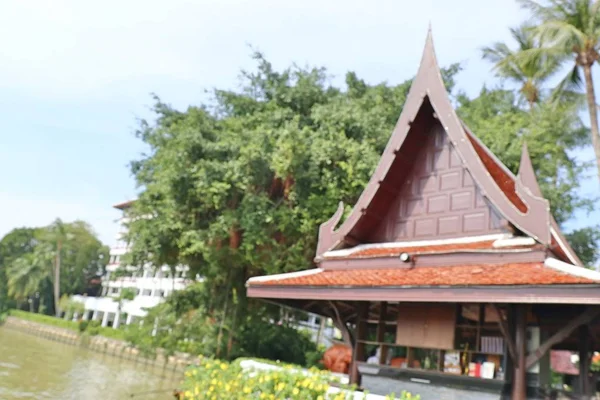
(237, 187)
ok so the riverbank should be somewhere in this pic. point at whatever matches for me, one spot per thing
(177, 363)
(98, 343)
(33, 367)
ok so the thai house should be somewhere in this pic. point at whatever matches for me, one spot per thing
(450, 265)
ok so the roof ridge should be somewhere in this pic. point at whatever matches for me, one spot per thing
(571, 269)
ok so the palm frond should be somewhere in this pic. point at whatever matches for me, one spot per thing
(568, 87)
(496, 52)
(593, 18)
(539, 11)
(561, 35)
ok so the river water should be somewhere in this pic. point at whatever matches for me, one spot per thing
(36, 368)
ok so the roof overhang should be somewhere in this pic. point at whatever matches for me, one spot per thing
(552, 294)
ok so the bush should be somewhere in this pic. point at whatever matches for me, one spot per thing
(314, 358)
(93, 328)
(218, 380)
(261, 339)
(83, 325)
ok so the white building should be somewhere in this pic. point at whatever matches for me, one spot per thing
(151, 285)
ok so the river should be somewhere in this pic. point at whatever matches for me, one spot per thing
(36, 368)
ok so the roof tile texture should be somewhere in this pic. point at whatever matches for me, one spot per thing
(504, 181)
(471, 275)
(439, 248)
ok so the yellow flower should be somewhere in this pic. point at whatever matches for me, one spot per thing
(213, 382)
(223, 366)
(247, 390)
(320, 398)
(188, 394)
(295, 391)
(280, 386)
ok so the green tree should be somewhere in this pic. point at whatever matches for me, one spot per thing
(585, 242)
(30, 257)
(13, 245)
(238, 187)
(27, 274)
(529, 74)
(570, 30)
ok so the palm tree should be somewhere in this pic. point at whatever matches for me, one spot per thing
(530, 74)
(570, 30)
(57, 234)
(27, 273)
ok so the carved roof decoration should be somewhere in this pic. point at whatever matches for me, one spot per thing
(517, 199)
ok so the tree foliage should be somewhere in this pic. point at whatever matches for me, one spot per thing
(237, 187)
(531, 73)
(570, 32)
(28, 258)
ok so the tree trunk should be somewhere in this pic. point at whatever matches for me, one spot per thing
(591, 100)
(57, 279)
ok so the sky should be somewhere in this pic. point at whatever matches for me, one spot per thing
(76, 76)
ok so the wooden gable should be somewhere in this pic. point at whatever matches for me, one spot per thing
(438, 198)
(435, 179)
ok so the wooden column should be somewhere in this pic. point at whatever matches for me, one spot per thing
(381, 332)
(584, 362)
(519, 382)
(358, 353)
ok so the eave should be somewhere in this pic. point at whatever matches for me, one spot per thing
(553, 294)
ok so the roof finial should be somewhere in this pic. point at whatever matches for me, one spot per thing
(526, 173)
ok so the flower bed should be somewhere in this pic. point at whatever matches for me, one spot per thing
(217, 380)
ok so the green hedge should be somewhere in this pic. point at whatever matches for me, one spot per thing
(71, 325)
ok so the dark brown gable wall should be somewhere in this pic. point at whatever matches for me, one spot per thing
(437, 198)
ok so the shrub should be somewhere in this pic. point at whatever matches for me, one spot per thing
(93, 328)
(259, 338)
(83, 326)
(314, 358)
(217, 380)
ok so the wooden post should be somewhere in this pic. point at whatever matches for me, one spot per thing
(519, 383)
(358, 353)
(584, 362)
(381, 332)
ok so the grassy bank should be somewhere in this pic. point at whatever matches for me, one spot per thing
(71, 325)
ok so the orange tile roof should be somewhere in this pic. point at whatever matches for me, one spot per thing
(504, 181)
(464, 275)
(435, 248)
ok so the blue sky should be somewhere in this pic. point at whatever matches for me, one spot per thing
(75, 76)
